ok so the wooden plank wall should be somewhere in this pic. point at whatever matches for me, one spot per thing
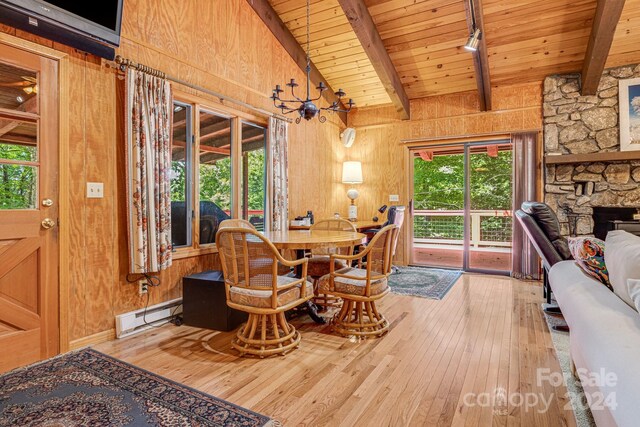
(380, 132)
(223, 45)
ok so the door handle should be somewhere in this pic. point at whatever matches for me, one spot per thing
(48, 223)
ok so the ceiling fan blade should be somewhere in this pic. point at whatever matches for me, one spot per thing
(29, 79)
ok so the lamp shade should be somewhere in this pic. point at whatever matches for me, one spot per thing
(352, 173)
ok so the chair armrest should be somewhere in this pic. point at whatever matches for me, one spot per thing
(294, 263)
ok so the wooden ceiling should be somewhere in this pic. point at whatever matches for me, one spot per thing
(526, 40)
(335, 48)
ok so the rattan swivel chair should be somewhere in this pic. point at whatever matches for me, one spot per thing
(361, 287)
(320, 259)
(252, 284)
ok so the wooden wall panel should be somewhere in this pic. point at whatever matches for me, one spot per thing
(378, 142)
(219, 44)
(206, 46)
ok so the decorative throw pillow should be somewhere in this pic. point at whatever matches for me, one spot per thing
(633, 286)
(623, 262)
(589, 255)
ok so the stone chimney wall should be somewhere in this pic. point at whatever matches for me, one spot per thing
(576, 124)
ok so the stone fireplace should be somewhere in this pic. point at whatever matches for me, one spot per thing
(575, 124)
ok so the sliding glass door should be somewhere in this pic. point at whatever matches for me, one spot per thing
(462, 206)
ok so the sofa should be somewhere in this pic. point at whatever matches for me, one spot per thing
(604, 336)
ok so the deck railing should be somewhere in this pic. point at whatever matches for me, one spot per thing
(488, 227)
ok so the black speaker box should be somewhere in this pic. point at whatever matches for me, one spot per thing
(204, 303)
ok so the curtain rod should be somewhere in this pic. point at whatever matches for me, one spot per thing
(124, 63)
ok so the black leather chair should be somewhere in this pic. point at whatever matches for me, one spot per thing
(211, 215)
(541, 225)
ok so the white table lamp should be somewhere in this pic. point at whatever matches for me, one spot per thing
(352, 174)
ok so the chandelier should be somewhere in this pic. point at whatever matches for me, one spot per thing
(307, 109)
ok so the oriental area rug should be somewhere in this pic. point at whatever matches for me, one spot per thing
(88, 388)
(423, 282)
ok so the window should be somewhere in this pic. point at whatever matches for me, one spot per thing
(254, 174)
(181, 175)
(214, 183)
(209, 182)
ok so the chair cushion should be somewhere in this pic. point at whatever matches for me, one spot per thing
(351, 286)
(589, 255)
(319, 265)
(547, 220)
(261, 298)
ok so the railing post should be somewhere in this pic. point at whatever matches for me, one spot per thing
(475, 229)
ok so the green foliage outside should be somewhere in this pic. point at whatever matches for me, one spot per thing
(439, 185)
(18, 184)
(215, 181)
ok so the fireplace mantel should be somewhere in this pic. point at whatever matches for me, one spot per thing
(609, 156)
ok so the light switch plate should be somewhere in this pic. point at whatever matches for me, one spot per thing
(95, 190)
(394, 198)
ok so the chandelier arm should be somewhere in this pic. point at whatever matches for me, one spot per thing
(336, 110)
(288, 100)
(294, 95)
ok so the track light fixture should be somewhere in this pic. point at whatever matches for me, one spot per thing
(473, 41)
(474, 37)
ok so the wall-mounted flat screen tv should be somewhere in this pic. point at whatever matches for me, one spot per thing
(96, 20)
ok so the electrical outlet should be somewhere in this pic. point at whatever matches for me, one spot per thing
(143, 287)
(394, 198)
(95, 190)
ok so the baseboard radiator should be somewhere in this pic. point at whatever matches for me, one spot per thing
(134, 322)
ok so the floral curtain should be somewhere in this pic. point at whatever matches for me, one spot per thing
(278, 203)
(525, 263)
(148, 124)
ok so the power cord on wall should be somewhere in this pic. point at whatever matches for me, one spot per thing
(153, 282)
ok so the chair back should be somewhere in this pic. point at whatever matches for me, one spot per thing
(236, 223)
(398, 220)
(334, 224)
(380, 250)
(542, 227)
(249, 260)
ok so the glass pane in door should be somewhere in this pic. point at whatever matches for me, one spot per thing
(438, 219)
(18, 89)
(490, 216)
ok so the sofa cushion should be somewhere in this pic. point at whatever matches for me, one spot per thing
(547, 220)
(633, 286)
(622, 257)
(605, 335)
(261, 297)
(589, 255)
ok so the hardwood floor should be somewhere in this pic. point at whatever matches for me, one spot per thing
(470, 359)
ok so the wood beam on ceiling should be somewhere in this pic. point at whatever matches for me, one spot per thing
(271, 19)
(29, 106)
(366, 31)
(480, 56)
(606, 19)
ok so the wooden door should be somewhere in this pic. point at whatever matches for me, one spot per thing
(29, 310)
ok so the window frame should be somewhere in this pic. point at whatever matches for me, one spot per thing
(188, 156)
(244, 122)
(237, 117)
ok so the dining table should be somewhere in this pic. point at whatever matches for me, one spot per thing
(301, 241)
